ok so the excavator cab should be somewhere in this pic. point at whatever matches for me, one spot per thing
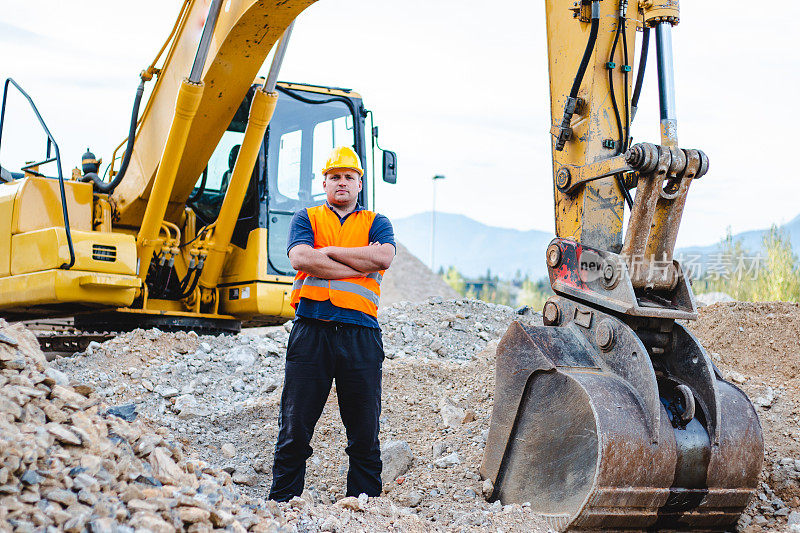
(307, 123)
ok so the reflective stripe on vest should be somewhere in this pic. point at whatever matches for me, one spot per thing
(361, 293)
(338, 285)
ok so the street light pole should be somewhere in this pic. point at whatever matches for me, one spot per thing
(433, 217)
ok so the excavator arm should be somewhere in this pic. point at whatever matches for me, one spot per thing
(243, 35)
(612, 415)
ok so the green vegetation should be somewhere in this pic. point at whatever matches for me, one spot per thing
(773, 274)
(534, 293)
(517, 292)
(454, 278)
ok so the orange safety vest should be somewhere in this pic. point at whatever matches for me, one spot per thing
(360, 294)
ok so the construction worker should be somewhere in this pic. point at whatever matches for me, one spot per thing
(340, 252)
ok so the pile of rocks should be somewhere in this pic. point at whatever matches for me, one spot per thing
(453, 329)
(209, 404)
(217, 394)
(756, 347)
(68, 463)
(410, 280)
(767, 509)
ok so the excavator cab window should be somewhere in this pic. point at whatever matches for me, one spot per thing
(305, 127)
(218, 173)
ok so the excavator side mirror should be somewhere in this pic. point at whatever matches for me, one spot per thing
(389, 167)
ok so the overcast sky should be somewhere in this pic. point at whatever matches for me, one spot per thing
(457, 88)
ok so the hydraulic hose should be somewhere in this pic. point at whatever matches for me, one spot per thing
(626, 69)
(610, 66)
(108, 187)
(572, 100)
(193, 284)
(637, 89)
(622, 133)
(587, 53)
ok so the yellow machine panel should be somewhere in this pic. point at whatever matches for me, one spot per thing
(247, 290)
(65, 287)
(268, 301)
(38, 205)
(46, 249)
(32, 204)
(8, 192)
(249, 263)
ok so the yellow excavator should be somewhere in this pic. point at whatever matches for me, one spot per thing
(611, 415)
(190, 232)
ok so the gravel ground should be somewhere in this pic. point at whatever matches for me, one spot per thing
(757, 347)
(211, 405)
(219, 397)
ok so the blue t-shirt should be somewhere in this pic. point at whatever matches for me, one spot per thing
(301, 232)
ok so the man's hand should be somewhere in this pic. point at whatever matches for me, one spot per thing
(371, 258)
(318, 264)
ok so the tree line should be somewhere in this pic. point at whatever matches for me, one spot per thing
(517, 292)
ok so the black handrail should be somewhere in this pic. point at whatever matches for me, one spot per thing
(50, 141)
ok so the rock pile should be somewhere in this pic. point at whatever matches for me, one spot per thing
(453, 329)
(410, 280)
(218, 394)
(757, 348)
(68, 464)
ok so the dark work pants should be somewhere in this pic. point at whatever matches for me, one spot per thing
(319, 352)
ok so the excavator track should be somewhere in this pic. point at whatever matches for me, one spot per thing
(58, 335)
(70, 335)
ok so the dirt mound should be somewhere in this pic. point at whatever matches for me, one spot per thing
(410, 280)
(757, 347)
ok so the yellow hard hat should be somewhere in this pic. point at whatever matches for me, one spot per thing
(343, 157)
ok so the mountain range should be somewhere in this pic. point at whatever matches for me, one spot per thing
(475, 248)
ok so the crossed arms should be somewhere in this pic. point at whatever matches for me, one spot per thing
(335, 262)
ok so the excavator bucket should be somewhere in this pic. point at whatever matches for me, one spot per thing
(599, 425)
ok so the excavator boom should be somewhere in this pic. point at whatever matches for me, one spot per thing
(244, 33)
